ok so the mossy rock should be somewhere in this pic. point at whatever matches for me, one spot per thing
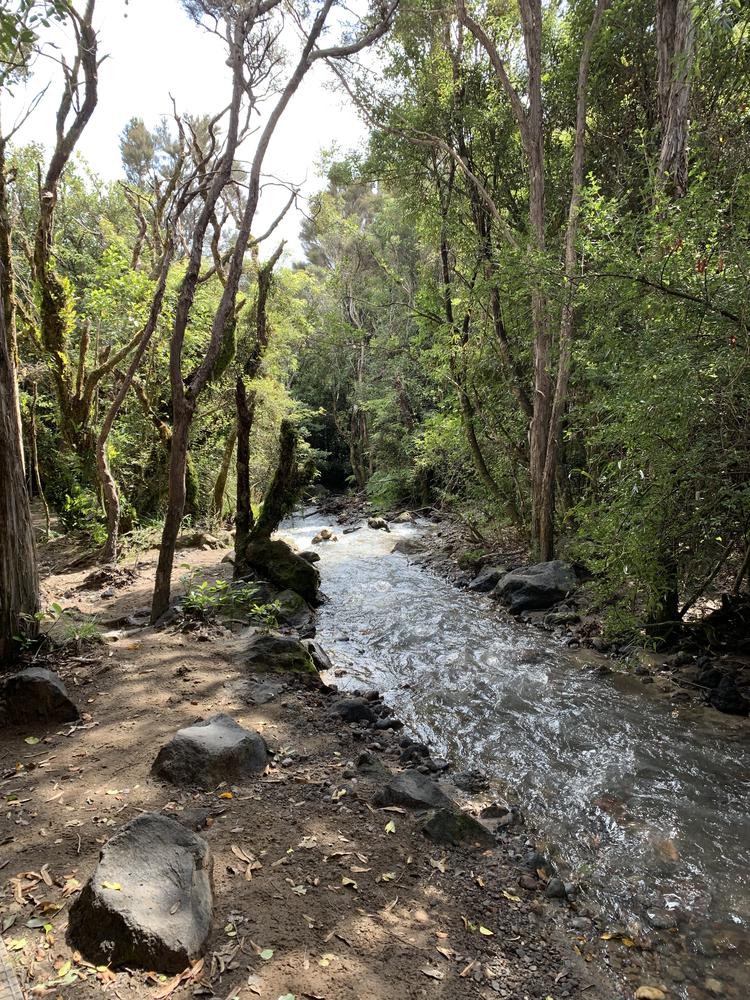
(275, 560)
(274, 653)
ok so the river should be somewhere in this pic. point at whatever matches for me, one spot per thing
(645, 802)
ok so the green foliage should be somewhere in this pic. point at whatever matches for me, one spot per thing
(221, 599)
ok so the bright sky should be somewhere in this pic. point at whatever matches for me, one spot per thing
(154, 51)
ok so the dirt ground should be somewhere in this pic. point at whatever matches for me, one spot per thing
(352, 901)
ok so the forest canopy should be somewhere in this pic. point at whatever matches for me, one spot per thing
(523, 299)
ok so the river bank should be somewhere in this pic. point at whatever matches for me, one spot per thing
(72, 791)
(351, 900)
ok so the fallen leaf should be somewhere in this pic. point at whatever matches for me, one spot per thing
(31, 740)
(226, 795)
(112, 885)
(438, 864)
(349, 881)
(431, 972)
(390, 827)
(387, 876)
(486, 931)
(16, 944)
(266, 954)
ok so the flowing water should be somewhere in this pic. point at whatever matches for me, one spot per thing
(646, 803)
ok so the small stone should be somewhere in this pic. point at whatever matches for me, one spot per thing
(410, 788)
(555, 889)
(528, 882)
(354, 710)
(649, 993)
(450, 826)
(714, 986)
(580, 924)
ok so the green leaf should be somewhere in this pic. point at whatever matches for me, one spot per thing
(266, 954)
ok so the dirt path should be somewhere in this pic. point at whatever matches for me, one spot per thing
(353, 901)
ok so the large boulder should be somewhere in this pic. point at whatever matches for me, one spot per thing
(149, 902)
(450, 826)
(727, 697)
(535, 588)
(207, 753)
(274, 653)
(275, 560)
(487, 579)
(37, 695)
(412, 789)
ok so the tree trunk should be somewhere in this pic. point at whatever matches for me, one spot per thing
(178, 455)
(19, 581)
(285, 490)
(244, 519)
(675, 46)
(220, 486)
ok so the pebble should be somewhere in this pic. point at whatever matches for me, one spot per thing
(714, 986)
(555, 889)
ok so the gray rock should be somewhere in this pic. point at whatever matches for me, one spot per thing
(487, 579)
(378, 523)
(277, 653)
(294, 610)
(353, 710)
(276, 561)
(405, 517)
(318, 655)
(410, 788)
(535, 588)
(210, 752)
(555, 889)
(449, 826)
(368, 764)
(263, 692)
(38, 695)
(409, 547)
(350, 530)
(559, 618)
(160, 916)
(309, 556)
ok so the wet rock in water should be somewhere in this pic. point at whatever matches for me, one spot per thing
(353, 710)
(535, 588)
(294, 610)
(728, 698)
(277, 653)
(472, 781)
(414, 753)
(405, 517)
(410, 788)
(409, 547)
(309, 556)
(378, 524)
(209, 752)
(149, 902)
(537, 862)
(276, 561)
(318, 655)
(555, 889)
(487, 579)
(450, 826)
(351, 529)
(495, 810)
(38, 695)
